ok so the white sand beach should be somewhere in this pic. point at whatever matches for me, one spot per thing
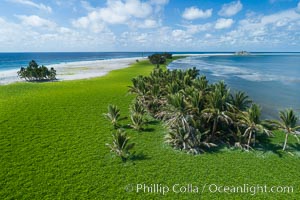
(76, 70)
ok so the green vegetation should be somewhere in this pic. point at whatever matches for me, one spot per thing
(113, 115)
(34, 72)
(52, 146)
(288, 124)
(120, 145)
(198, 115)
(137, 113)
(159, 58)
(251, 124)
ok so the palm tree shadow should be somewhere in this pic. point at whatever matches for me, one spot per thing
(266, 145)
(148, 130)
(139, 157)
(129, 127)
(123, 118)
(216, 149)
(295, 147)
(153, 122)
(125, 126)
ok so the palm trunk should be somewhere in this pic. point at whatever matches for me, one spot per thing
(184, 145)
(285, 141)
(249, 140)
(214, 129)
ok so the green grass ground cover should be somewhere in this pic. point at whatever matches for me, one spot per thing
(52, 146)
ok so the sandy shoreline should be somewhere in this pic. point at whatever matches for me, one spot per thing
(76, 70)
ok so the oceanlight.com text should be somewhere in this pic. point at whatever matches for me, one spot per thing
(249, 189)
(210, 188)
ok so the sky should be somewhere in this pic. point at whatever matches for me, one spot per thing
(149, 25)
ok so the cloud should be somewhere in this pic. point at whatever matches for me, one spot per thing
(208, 35)
(278, 29)
(181, 35)
(196, 28)
(91, 32)
(33, 4)
(298, 7)
(230, 9)
(159, 2)
(82, 22)
(275, 1)
(90, 22)
(36, 21)
(178, 33)
(21, 37)
(119, 11)
(86, 5)
(115, 12)
(223, 23)
(148, 23)
(134, 37)
(7, 30)
(161, 39)
(195, 13)
(133, 13)
(283, 18)
(158, 5)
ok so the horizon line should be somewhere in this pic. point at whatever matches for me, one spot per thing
(147, 51)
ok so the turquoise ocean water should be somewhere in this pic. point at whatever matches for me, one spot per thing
(16, 60)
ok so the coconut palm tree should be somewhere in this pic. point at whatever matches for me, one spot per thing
(34, 72)
(178, 137)
(201, 83)
(176, 111)
(137, 111)
(250, 121)
(120, 145)
(240, 100)
(138, 86)
(195, 112)
(157, 59)
(288, 123)
(137, 107)
(193, 73)
(137, 121)
(154, 99)
(196, 101)
(173, 87)
(113, 115)
(187, 137)
(216, 108)
(52, 74)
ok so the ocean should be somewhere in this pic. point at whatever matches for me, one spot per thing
(270, 79)
(16, 60)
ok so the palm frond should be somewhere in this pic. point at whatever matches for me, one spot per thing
(113, 115)
(120, 144)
